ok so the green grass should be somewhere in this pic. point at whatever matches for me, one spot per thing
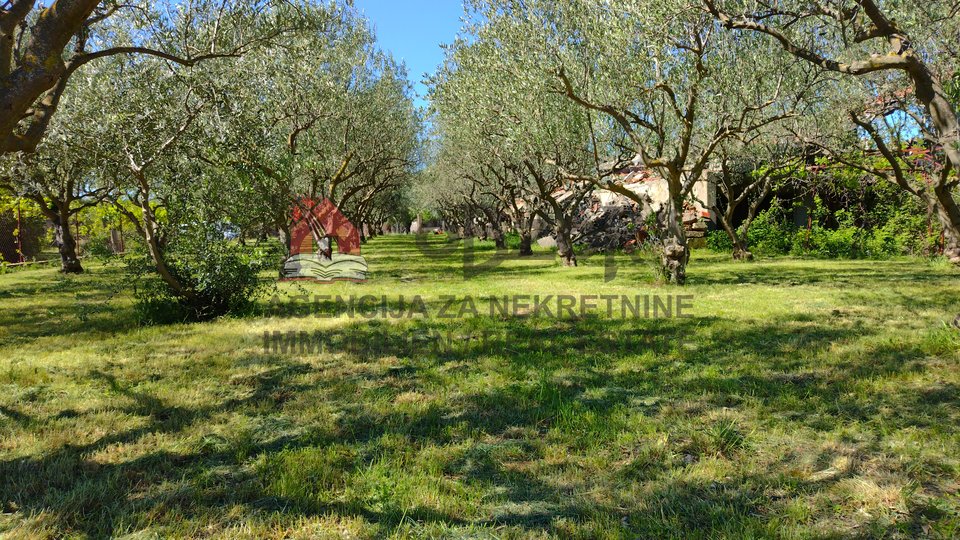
(803, 399)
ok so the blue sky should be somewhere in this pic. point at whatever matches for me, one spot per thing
(413, 31)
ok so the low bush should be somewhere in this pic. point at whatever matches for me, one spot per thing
(219, 277)
(835, 235)
(770, 233)
(719, 241)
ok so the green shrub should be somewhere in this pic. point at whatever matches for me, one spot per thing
(220, 277)
(268, 255)
(512, 240)
(903, 233)
(719, 241)
(770, 233)
(911, 232)
(882, 243)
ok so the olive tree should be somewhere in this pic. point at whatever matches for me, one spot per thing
(662, 72)
(904, 57)
(63, 175)
(523, 140)
(325, 114)
(61, 179)
(472, 176)
(149, 149)
(44, 44)
(748, 171)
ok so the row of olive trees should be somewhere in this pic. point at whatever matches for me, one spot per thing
(507, 148)
(310, 108)
(670, 83)
(571, 91)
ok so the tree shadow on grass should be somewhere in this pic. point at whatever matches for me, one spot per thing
(573, 383)
(93, 498)
(47, 304)
(834, 273)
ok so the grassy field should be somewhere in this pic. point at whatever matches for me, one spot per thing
(802, 399)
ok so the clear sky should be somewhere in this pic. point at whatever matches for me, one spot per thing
(413, 31)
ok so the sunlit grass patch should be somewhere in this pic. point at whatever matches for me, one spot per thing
(803, 399)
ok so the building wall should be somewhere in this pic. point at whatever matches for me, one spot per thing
(704, 194)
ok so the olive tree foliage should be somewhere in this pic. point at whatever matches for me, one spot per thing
(471, 193)
(303, 105)
(62, 174)
(443, 189)
(142, 147)
(118, 40)
(62, 177)
(662, 72)
(62, 171)
(470, 173)
(325, 114)
(901, 60)
(175, 151)
(381, 147)
(44, 44)
(530, 148)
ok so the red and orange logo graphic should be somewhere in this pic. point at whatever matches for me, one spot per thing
(324, 245)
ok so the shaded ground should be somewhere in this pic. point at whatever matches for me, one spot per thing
(803, 399)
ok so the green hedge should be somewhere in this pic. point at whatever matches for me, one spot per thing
(905, 232)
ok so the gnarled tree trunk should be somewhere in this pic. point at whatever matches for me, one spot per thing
(564, 232)
(496, 227)
(67, 245)
(944, 118)
(498, 239)
(30, 88)
(675, 252)
(949, 214)
(149, 229)
(58, 211)
(526, 243)
(901, 56)
(740, 251)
